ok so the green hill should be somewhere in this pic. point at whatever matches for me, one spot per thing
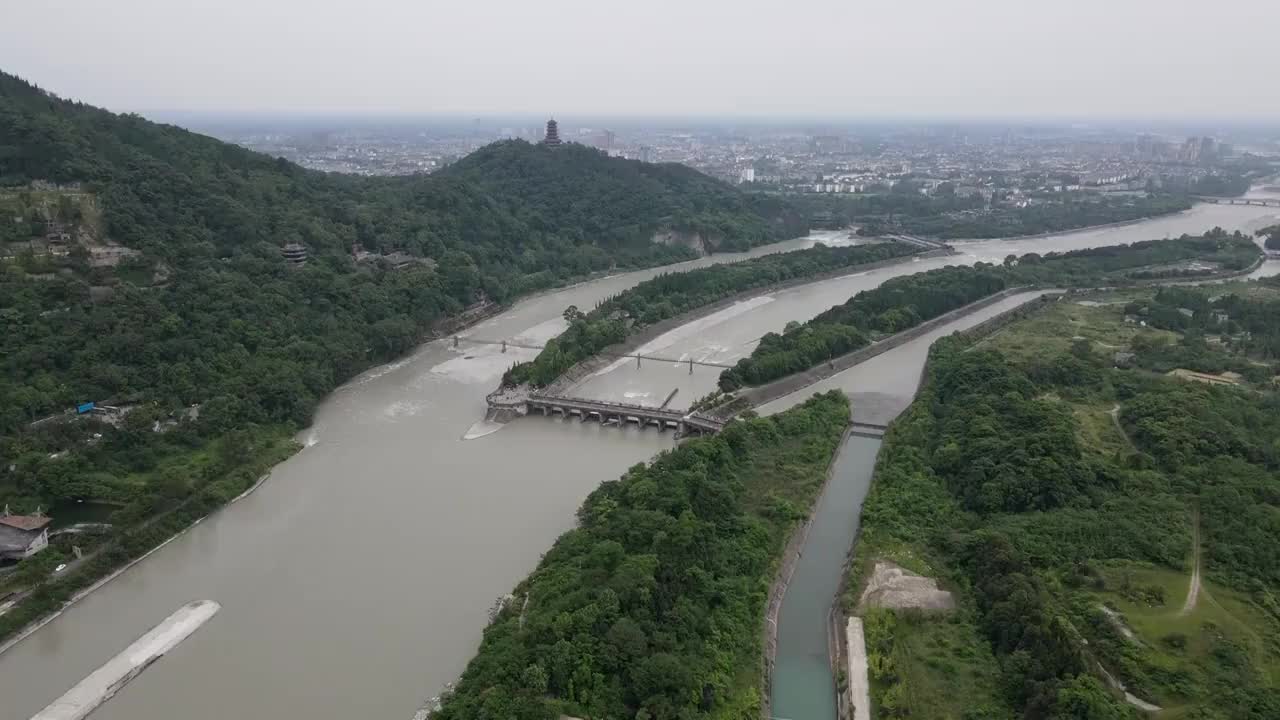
(621, 201)
(144, 261)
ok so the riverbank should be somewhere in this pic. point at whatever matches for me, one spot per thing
(1072, 231)
(475, 516)
(651, 332)
(112, 572)
(761, 394)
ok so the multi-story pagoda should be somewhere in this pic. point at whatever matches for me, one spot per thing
(553, 134)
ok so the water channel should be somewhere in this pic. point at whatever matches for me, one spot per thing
(356, 581)
(802, 683)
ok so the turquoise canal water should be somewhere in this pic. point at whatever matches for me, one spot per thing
(803, 687)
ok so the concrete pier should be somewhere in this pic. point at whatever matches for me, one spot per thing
(859, 685)
(107, 680)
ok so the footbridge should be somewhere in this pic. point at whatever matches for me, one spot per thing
(504, 344)
(920, 242)
(614, 413)
(866, 429)
(1263, 202)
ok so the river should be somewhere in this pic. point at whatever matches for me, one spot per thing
(356, 581)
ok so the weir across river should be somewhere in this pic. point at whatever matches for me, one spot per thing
(610, 413)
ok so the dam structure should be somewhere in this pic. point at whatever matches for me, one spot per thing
(507, 404)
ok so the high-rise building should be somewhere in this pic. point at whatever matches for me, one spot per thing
(553, 133)
(646, 153)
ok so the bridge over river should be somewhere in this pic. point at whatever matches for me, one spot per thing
(1261, 202)
(504, 344)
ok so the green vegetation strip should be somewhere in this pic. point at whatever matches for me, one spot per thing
(905, 302)
(673, 294)
(1008, 480)
(653, 606)
(949, 216)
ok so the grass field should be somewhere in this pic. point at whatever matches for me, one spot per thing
(930, 666)
(1225, 638)
(1054, 329)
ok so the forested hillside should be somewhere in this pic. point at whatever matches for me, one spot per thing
(209, 312)
(146, 266)
(614, 201)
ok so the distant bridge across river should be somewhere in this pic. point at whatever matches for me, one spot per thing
(458, 340)
(1263, 202)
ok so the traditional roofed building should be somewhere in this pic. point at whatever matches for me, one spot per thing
(295, 254)
(553, 133)
(22, 536)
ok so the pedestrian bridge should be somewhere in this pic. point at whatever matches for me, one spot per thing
(458, 339)
(609, 413)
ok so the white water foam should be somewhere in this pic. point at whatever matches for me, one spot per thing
(482, 428)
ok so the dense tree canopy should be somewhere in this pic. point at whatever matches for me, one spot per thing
(987, 480)
(652, 606)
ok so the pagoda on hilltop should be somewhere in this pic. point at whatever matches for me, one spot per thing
(553, 133)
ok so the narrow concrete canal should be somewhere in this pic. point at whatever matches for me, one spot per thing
(803, 687)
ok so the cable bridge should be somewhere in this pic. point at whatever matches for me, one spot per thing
(504, 344)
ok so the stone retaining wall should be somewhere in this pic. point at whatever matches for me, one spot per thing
(782, 387)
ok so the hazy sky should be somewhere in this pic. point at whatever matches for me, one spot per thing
(851, 58)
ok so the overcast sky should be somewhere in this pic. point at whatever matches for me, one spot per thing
(845, 58)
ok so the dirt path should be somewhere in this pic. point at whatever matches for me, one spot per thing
(1115, 420)
(1193, 591)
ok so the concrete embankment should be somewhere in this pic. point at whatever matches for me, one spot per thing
(859, 684)
(757, 396)
(107, 680)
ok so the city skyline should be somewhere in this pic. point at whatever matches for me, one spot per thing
(818, 59)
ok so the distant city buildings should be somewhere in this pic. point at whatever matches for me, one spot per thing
(1008, 164)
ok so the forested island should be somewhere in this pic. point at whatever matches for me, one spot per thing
(948, 216)
(904, 302)
(1073, 494)
(652, 606)
(672, 294)
(196, 300)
